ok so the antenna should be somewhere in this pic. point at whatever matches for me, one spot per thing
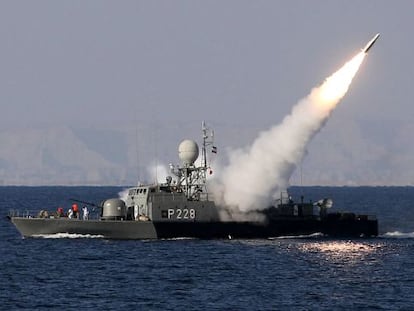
(156, 157)
(137, 149)
(301, 177)
(208, 140)
(203, 152)
(155, 133)
(135, 121)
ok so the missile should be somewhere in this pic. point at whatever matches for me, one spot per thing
(370, 43)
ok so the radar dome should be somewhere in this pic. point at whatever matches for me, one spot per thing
(188, 152)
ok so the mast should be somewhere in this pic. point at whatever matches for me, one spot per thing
(193, 178)
(203, 150)
(208, 140)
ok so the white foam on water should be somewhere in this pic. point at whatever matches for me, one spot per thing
(168, 239)
(305, 236)
(69, 236)
(398, 235)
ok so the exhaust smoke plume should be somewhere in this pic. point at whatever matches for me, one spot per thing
(256, 175)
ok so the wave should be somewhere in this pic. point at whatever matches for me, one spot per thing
(306, 236)
(175, 239)
(398, 235)
(68, 236)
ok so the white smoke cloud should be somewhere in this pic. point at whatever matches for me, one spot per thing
(257, 174)
(158, 173)
(123, 194)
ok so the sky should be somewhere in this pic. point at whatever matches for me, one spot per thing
(236, 64)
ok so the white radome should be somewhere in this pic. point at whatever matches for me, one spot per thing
(188, 152)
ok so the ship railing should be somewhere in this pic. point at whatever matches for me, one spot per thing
(176, 197)
(284, 198)
(180, 197)
(16, 213)
(206, 197)
(50, 214)
(366, 217)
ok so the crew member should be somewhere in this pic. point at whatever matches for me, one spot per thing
(136, 212)
(60, 212)
(75, 210)
(85, 213)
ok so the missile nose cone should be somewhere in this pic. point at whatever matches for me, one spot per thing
(370, 43)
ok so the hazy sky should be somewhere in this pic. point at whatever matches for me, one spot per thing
(228, 62)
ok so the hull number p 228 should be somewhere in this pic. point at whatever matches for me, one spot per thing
(181, 214)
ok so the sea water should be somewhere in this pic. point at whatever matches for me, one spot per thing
(72, 272)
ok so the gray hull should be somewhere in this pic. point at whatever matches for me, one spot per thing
(136, 230)
(33, 227)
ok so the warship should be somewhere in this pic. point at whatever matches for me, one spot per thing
(182, 207)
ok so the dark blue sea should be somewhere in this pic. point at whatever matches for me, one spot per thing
(310, 273)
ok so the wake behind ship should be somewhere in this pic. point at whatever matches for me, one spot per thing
(182, 207)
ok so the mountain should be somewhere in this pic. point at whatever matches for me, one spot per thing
(119, 155)
(52, 156)
(345, 153)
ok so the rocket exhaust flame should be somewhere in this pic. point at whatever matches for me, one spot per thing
(256, 175)
(335, 87)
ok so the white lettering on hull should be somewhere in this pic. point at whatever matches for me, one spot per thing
(181, 214)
